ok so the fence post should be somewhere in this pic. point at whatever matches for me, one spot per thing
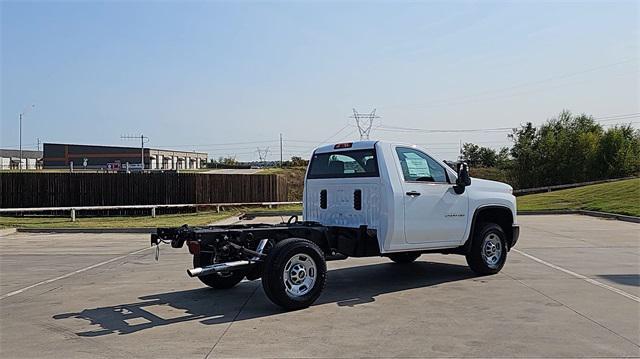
(217, 209)
(153, 212)
(73, 214)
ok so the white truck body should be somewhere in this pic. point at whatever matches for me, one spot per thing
(436, 218)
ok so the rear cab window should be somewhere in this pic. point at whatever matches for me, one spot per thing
(344, 164)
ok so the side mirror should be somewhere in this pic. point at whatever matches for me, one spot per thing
(463, 178)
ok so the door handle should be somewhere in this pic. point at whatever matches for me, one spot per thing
(413, 193)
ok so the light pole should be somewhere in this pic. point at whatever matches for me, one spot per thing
(143, 139)
(24, 112)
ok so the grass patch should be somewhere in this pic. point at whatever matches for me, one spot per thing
(167, 220)
(622, 197)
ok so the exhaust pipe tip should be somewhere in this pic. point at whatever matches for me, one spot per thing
(194, 272)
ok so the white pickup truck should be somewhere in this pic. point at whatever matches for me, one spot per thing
(367, 198)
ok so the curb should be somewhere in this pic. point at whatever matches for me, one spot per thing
(7, 231)
(251, 215)
(619, 217)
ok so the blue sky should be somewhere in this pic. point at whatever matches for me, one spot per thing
(223, 77)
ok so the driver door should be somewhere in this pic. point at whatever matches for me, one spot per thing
(434, 215)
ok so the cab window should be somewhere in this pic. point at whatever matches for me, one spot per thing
(418, 167)
(346, 164)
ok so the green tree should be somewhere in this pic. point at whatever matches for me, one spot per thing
(618, 152)
(476, 155)
(572, 148)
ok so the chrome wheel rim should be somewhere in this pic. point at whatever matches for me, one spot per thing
(491, 250)
(299, 275)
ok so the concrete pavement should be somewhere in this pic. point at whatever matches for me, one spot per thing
(570, 290)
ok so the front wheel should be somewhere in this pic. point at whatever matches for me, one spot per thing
(222, 280)
(488, 251)
(294, 273)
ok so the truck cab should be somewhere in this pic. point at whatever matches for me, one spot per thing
(411, 199)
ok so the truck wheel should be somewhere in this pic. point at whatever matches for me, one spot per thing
(223, 280)
(488, 251)
(405, 257)
(294, 274)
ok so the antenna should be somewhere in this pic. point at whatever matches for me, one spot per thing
(364, 121)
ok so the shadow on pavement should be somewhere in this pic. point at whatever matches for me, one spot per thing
(345, 287)
(625, 279)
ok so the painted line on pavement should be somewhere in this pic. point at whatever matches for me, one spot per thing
(577, 275)
(4, 296)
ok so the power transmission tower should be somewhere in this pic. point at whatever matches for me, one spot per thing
(143, 139)
(364, 121)
(262, 154)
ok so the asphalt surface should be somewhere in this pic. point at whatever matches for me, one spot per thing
(570, 290)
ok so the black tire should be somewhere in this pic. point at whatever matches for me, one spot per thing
(275, 267)
(404, 257)
(486, 265)
(218, 280)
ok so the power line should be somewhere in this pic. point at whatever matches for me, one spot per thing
(457, 99)
(620, 124)
(334, 135)
(221, 144)
(410, 129)
(310, 141)
(617, 117)
(347, 135)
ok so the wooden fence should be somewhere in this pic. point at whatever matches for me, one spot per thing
(113, 189)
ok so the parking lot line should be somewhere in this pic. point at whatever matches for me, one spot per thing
(580, 276)
(4, 296)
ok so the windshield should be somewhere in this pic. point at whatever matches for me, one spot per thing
(346, 164)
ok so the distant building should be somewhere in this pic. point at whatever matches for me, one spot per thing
(10, 159)
(61, 155)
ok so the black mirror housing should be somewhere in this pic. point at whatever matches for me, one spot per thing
(463, 179)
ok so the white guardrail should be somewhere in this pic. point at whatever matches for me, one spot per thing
(152, 207)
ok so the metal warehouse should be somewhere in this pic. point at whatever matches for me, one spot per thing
(61, 155)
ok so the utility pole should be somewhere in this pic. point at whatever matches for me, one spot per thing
(280, 150)
(22, 114)
(143, 139)
(364, 121)
(20, 163)
(38, 141)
